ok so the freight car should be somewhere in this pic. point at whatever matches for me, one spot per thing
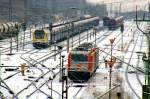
(83, 62)
(113, 23)
(44, 37)
(9, 29)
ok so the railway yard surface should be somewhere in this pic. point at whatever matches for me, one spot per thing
(42, 71)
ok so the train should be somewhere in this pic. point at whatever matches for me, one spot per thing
(9, 29)
(44, 37)
(83, 62)
(113, 23)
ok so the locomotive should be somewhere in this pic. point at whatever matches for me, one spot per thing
(113, 23)
(83, 62)
(44, 37)
(9, 29)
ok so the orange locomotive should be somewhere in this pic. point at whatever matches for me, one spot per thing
(83, 62)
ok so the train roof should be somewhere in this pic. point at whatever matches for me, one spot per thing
(84, 47)
(112, 18)
(68, 24)
(120, 17)
(86, 20)
(76, 22)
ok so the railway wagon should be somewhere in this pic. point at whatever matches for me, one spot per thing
(44, 37)
(83, 62)
(106, 20)
(113, 23)
(9, 29)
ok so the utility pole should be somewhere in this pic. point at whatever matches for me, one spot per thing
(25, 22)
(146, 59)
(30, 30)
(17, 38)
(64, 81)
(110, 9)
(10, 19)
(68, 43)
(60, 76)
(11, 44)
(10, 10)
(55, 50)
(122, 30)
(95, 35)
(24, 29)
(79, 35)
(110, 71)
(51, 80)
(87, 34)
(120, 8)
(72, 31)
(0, 67)
(50, 30)
(90, 35)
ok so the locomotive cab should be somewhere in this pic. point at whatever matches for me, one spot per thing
(40, 38)
(82, 62)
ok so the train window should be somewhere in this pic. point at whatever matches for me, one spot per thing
(39, 34)
(79, 57)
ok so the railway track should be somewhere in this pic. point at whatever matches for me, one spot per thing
(115, 44)
(40, 60)
(101, 37)
(129, 62)
(14, 46)
(42, 84)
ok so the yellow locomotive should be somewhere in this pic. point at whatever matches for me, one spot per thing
(40, 38)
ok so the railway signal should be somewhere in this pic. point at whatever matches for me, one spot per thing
(111, 62)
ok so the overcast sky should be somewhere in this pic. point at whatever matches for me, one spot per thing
(110, 1)
(126, 5)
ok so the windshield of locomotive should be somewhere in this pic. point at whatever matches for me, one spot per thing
(39, 34)
(79, 57)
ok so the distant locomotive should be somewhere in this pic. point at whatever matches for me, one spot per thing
(83, 62)
(9, 29)
(113, 23)
(44, 37)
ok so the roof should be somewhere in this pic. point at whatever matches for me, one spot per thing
(84, 46)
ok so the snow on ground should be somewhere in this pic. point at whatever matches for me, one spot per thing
(99, 83)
